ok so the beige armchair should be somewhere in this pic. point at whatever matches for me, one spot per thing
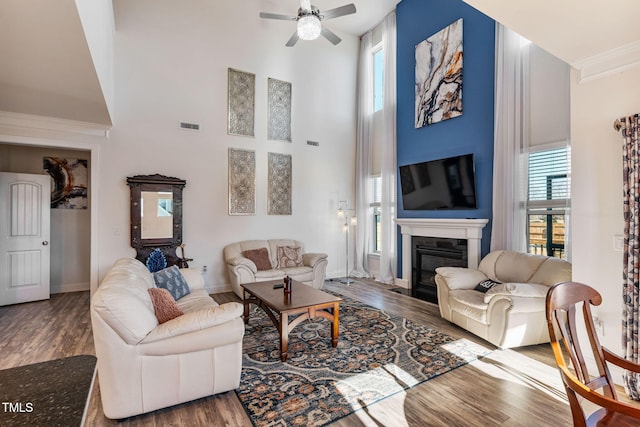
(511, 313)
(144, 365)
(311, 270)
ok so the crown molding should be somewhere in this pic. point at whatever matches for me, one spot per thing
(27, 121)
(610, 62)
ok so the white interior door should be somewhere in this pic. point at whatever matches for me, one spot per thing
(25, 201)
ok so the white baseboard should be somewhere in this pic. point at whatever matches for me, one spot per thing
(402, 283)
(69, 287)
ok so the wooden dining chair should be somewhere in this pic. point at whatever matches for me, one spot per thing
(563, 300)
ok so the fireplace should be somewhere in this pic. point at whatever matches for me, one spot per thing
(429, 253)
(468, 230)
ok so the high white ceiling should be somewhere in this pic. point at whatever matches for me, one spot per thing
(368, 12)
(572, 30)
(46, 67)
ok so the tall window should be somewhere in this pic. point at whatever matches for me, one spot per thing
(378, 76)
(376, 193)
(376, 180)
(548, 199)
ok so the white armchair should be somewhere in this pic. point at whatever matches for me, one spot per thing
(311, 271)
(144, 365)
(511, 313)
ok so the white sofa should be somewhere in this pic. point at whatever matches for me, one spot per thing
(510, 314)
(243, 270)
(144, 365)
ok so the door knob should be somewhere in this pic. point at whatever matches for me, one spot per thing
(45, 243)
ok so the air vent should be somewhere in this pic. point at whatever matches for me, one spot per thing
(314, 143)
(192, 126)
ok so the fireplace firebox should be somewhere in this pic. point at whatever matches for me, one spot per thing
(430, 253)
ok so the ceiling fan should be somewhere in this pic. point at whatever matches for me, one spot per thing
(309, 21)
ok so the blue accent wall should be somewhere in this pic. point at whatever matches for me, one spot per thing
(472, 132)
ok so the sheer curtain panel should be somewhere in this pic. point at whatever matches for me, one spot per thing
(363, 158)
(388, 167)
(510, 142)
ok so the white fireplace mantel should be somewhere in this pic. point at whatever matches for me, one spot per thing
(469, 229)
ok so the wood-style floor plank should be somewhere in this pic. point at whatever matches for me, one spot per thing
(518, 387)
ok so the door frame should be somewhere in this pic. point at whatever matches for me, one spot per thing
(36, 131)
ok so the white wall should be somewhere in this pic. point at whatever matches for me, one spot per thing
(597, 189)
(171, 61)
(96, 17)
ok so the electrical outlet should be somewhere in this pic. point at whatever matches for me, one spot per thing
(618, 242)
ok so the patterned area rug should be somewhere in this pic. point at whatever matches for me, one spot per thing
(378, 355)
(47, 394)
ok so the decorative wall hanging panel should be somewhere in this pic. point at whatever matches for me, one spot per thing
(279, 184)
(241, 103)
(439, 76)
(68, 182)
(279, 95)
(242, 182)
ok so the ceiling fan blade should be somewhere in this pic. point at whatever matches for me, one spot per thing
(277, 16)
(347, 9)
(330, 35)
(294, 38)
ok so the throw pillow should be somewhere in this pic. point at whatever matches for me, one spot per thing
(164, 305)
(172, 280)
(289, 256)
(485, 285)
(156, 261)
(260, 258)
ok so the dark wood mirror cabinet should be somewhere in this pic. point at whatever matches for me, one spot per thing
(156, 217)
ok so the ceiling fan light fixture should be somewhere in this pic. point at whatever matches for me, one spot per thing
(309, 27)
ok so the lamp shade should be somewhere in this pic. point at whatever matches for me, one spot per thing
(309, 27)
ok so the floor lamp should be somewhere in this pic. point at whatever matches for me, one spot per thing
(349, 219)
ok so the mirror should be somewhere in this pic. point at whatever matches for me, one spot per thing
(156, 210)
(156, 216)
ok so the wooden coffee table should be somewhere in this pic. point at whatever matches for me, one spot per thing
(304, 301)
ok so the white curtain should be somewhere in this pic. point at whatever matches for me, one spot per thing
(511, 141)
(364, 228)
(363, 158)
(388, 261)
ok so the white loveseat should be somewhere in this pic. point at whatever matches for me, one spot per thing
(510, 314)
(243, 270)
(144, 365)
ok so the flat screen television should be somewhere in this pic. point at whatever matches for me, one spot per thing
(439, 184)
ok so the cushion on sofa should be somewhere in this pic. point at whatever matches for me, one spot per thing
(469, 302)
(172, 280)
(260, 258)
(461, 278)
(289, 256)
(164, 305)
(526, 290)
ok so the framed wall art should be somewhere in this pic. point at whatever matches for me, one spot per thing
(279, 110)
(439, 76)
(68, 182)
(241, 103)
(279, 184)
(242, 182)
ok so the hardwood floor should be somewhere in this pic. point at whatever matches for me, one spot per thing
(507, 388)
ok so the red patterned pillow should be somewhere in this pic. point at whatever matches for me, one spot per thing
(260, 257)
(289, 256)
(164, 305)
